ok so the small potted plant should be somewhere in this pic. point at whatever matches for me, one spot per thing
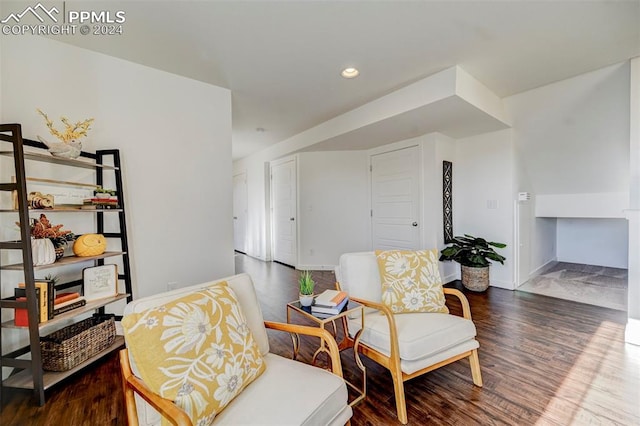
(474, 256)
(306, 288)
(101, 192)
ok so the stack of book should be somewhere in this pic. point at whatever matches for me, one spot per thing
(50, 304)
(100, 203)
(66, 302)
(329, 303)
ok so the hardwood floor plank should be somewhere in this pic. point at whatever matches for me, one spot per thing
(544, 361)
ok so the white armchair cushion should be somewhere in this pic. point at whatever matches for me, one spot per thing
(420, 335)
(282, 396)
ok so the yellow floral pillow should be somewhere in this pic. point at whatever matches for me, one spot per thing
(196, 351)
(411, 281)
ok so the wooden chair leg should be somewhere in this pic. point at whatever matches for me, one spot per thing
(474, 361)
(129, 397)
(401, 404)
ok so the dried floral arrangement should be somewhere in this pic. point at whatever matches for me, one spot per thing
(71, 132)
(42, 228)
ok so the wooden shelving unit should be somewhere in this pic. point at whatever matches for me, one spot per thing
(26, 361)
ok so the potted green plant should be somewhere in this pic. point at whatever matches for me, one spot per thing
(306, 288)
(474, 256)
(101, 192)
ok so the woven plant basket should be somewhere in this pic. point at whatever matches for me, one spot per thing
(475, 279)
(72, 345)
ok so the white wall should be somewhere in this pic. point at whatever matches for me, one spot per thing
(572, 143)
(483, 188)
(573, 135)
(437, 148)
(543, 248)
(632, 331)
(175, 140)
(602, 242)
(333, 207)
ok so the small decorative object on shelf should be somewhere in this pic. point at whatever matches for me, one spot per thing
(306, 288)
(47, 241)
(103, 199)
(101, 192)
(90, 245)
(69, 146)
(99, 282)
(38, 200)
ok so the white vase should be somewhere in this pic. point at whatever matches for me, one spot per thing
(306, 299)
(43, 251)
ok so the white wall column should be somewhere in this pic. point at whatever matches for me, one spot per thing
(632, 334)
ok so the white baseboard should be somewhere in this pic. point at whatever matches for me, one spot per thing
(544, 268)
(451, 277)
(632, 331)
(502, 284)
(316, 267)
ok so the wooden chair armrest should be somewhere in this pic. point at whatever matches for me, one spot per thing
(386, 311)
(332, 346)
(131, 384)
(466, 309)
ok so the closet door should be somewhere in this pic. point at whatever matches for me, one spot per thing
(395, 199)
(240, 212)
(284, 204)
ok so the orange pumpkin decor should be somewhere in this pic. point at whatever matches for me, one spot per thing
(90, 245)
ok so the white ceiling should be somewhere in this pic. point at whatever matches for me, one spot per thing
(282, 60)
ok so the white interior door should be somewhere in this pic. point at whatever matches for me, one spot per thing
(240, 212)
(395, 199)
(284, 204)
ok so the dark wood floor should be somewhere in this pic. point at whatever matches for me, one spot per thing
(544, 361)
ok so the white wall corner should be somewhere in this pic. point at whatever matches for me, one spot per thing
(632, 331)
(479, 95)
(543, 268)
(450, 277)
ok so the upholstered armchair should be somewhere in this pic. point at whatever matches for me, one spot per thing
(407, 344)
(287, 392)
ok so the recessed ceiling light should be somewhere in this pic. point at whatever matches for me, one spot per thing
(350, 72)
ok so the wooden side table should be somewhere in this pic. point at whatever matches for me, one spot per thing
(353, 308)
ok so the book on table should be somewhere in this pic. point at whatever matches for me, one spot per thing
(330, 298)
(335, 310)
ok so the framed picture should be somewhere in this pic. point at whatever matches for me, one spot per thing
(99, 282)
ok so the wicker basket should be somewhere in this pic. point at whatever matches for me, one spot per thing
(72, 345)
(475, 279)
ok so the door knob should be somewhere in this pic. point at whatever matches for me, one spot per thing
(235, 218)
(414, 224)
(291, 219)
